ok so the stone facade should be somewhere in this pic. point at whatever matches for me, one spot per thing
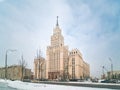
(113, 75)
(57, 54)
(2, 73)
(86, 70)
(39, 68)
(78, 69)
(14, 72)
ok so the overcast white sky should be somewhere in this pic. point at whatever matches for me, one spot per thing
(92, 26)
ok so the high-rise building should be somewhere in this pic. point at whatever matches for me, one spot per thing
(62, 64)
(57, 54)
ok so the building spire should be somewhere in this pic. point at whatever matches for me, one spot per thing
(57, 22)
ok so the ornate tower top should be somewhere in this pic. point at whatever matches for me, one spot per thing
(57, 29)
(57, 38)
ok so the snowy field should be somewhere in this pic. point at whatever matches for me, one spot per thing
(35, 86)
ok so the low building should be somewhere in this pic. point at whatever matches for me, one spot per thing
(2, 72)
(14, 72)
(113, 75)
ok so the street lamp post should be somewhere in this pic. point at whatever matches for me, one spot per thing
(9, 50)
(41, 71)
(103, 72)
(111, 67)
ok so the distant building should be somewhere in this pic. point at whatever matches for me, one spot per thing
(113, 75)
(2, 72)
(14, 72)
(39, 68)
(60, 63)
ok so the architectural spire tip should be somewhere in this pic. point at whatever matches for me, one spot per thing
(57, 22)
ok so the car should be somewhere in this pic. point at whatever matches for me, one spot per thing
(26, 80)
(109, 81)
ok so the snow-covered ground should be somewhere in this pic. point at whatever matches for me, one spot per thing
(36, 86)
(116, 84)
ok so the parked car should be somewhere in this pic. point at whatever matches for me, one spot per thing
(109, 81)
(26, 80)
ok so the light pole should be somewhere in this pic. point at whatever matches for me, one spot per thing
(40, 60)
(103, 72)
(9, 50)
(41, 71)
(111, 67)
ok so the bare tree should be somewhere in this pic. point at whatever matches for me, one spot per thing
(23, 65)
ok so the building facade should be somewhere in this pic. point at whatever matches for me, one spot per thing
(2, 72)
(14, 72)
(57, 54)
(86, 70)
(40, 68)
(77, 67)
(60, 63)
(113, 75)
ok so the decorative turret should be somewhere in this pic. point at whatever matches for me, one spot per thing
(57, 30)
(57, 38)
